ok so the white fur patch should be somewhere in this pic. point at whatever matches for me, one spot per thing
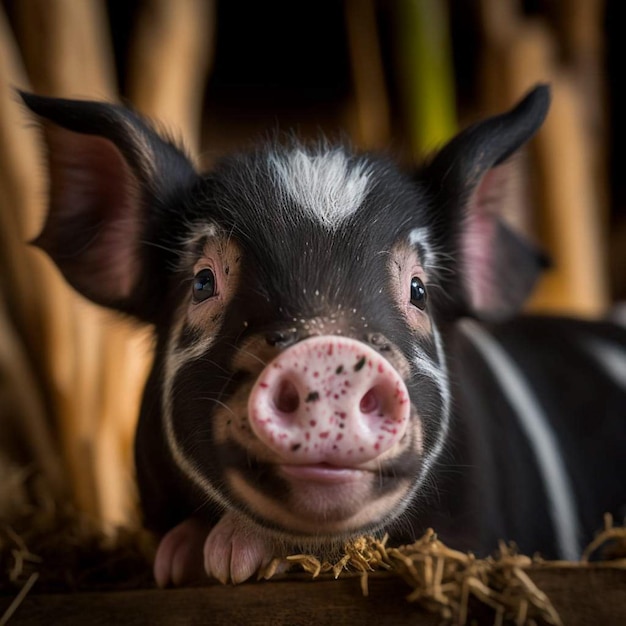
(610, 358)
(174, 360)
(421, 237)
(438, 373)
(198, 233)
(618, 314)
(328, 187)
(541, 438)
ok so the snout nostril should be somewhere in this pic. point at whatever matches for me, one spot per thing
(379, 342)
(287, 399)
(280, 338)
(369, 402)
(274, 338)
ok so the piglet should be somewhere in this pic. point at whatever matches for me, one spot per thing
(338, 348)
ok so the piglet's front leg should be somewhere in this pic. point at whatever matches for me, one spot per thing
(229, 552)
(179, 558)
(233, 552)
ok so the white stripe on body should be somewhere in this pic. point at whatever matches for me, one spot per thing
(610, 358)
(617, 315)
(542, 440)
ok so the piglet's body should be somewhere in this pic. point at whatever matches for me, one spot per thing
(336, 346)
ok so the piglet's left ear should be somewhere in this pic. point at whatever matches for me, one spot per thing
(112, 179)
(495, 268)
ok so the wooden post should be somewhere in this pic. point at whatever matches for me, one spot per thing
(171, 55)
(371, 105)
(23, 407)
(67, 52)
(427, 76)
(521, 52)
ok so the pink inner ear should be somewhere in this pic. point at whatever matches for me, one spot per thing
(93, 224)
(479, 246)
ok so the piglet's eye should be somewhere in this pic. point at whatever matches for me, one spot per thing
(203, 285)
(418, 293)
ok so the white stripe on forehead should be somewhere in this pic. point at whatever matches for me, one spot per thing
(328, 187)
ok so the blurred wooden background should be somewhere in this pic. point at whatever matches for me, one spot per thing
(396, 75)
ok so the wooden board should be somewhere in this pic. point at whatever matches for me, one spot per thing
(581, 596)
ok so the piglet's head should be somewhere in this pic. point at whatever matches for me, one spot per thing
(300, 296)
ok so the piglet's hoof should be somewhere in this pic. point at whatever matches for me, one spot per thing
(233, 553)
(179, 555)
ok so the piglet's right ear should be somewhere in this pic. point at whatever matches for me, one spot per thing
(109, 173)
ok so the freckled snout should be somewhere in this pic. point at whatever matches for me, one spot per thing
(329, 400)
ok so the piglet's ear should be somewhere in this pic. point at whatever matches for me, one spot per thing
(109, 172)
(497, 268)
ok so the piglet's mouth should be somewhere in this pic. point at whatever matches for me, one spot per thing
(322, 473)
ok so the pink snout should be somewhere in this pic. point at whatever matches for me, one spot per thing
(329, 400)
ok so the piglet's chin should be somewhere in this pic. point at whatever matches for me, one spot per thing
(328, 500)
